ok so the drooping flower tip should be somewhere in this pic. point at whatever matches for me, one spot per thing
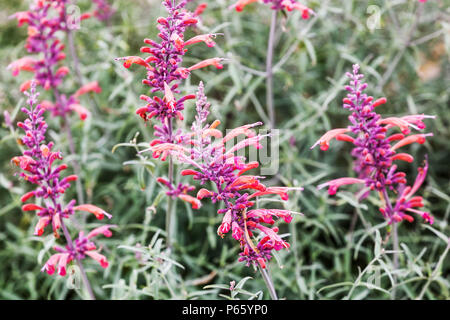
(195, 203)
(333, 185)
(98, 257)
(102, 230)
(324, 141)
(200, 9)
(379, 102)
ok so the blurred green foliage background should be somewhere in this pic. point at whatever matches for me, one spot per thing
(336, 246)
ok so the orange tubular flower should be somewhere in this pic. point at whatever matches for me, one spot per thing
(98, 212)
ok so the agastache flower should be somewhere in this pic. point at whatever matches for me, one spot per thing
(45, 20)
(374, 153)
(225, 171)
(164, 70)
(164, 75)
(39, 168)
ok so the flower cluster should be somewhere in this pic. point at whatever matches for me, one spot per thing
(288, 5)
(38, 165)
(163, 66)
(212, 162)
(45, 19)
(376, 150)
(82, 246)
(165, 71)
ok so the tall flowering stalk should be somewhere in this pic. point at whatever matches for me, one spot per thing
(38, 165)
(276, 6)
(376, 149)
(164, 75)
(226, 171)
(45, 19)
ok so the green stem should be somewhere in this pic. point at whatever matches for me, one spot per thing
(269, 70)
(269, 283)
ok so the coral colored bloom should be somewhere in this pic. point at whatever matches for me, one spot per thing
(39, 168)
(374, 153)
(333, 185)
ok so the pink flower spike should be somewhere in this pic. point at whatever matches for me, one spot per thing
(98, 257)
(333, 185)
(324, 141)
(98, 212)
(102, 230)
